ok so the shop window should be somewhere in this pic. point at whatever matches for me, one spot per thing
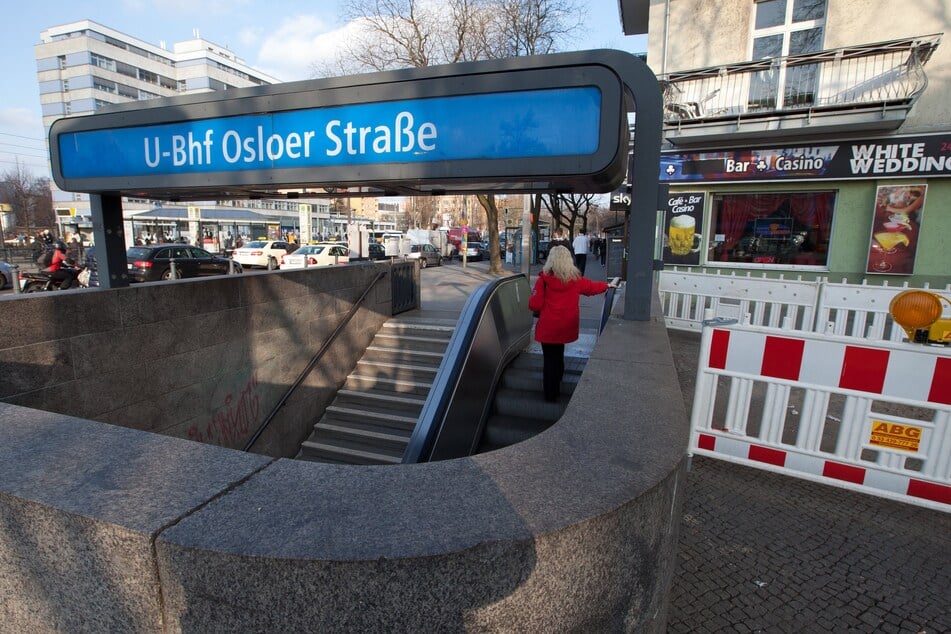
(772, 228)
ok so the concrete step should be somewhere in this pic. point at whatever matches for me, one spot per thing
(396, 371)
(418, 328)
(410, 342)
(374, 401)
(362, 439)
(371, 418)
(320, 452)
(396, 355)
(396, 387)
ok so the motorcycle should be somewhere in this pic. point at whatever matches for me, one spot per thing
(39, 281)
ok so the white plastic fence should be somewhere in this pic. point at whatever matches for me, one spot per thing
(869, 416)
(859, 310)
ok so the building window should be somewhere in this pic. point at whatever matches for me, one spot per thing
(782, 28)
(62, 61)
(772, 228)
(102, 62)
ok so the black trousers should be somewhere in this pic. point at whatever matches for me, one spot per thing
(553, 369)
(580, 260)
(67, 277)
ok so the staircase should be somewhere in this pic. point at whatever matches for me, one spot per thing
(519, 410)
(373, 415)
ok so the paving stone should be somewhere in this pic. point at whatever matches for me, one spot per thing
(850, 562)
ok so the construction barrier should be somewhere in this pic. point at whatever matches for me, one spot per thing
(859, 310)
(870, 416)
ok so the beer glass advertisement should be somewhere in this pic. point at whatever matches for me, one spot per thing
(683, 229)
(895, 226)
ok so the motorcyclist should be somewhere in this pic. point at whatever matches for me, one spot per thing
(59, 268)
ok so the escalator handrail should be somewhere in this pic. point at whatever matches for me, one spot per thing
(450, 371)
(608, 303)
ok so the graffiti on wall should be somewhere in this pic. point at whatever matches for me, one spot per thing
(231, 423)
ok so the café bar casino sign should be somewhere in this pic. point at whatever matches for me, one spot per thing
(562, 126)
(919, 156)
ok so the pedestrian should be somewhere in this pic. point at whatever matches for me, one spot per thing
(59, 269)
(555, 298)
(580, 245)
(559, 240)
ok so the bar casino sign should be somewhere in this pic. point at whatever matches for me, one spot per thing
(889, 157)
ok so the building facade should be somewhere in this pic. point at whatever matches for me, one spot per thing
(83, 67)
(810, 137)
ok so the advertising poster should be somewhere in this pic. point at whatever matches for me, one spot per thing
(683, 229)
(895, 226)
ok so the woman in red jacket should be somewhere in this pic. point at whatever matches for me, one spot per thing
(555, 298)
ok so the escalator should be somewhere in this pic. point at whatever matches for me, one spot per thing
(427, 392)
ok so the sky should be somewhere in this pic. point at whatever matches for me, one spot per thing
(280, 37)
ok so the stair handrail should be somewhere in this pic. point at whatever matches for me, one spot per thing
(313, 362)
(430, 426)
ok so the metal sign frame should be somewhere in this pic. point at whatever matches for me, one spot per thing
(539, 78)
(625, 82)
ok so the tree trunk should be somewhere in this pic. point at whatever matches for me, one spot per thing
(492, 221)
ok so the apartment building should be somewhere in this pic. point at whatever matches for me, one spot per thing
(83, 67)
(810, 137)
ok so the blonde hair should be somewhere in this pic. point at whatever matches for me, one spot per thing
(560, 264)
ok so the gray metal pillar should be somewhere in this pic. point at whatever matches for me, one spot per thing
(110, 240)
(644, 176)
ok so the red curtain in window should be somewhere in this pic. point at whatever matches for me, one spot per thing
(736, 212)
(814, 211)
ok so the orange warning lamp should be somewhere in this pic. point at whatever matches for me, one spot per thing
(919, 314)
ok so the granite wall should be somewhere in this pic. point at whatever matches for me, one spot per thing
(105, 529)
(203, 359)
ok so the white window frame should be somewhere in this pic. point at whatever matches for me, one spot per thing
(786, 29)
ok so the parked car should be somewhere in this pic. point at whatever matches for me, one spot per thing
(266, 253)
(426, 253)
(475, 251)
(323, 254)
(154, 262)
(6, 275)
(377, 251)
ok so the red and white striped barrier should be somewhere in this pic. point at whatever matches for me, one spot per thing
(824, 410)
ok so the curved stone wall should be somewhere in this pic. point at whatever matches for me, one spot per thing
(107, 529)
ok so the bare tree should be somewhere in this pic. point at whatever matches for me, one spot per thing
(568, 210)
(416, 33)
(29, 197)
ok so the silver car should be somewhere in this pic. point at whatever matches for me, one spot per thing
(6, 275)
(426, 253)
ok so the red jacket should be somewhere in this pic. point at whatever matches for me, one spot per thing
(559, 319)
(59, 258)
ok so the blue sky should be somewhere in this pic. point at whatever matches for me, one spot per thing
(280, 37)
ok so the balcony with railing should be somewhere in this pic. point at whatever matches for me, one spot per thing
(850, 89)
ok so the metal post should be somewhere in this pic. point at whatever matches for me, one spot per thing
(642, 215)
(230, 266)
(526, 235)
(174, 270)
(16, 277)
(110, 240)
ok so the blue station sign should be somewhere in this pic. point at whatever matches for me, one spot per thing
(399, 132)
(528, 124)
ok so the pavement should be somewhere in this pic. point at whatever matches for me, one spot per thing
(762, 552)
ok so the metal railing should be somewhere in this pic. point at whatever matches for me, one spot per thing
(313, 362)
(867, 75)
